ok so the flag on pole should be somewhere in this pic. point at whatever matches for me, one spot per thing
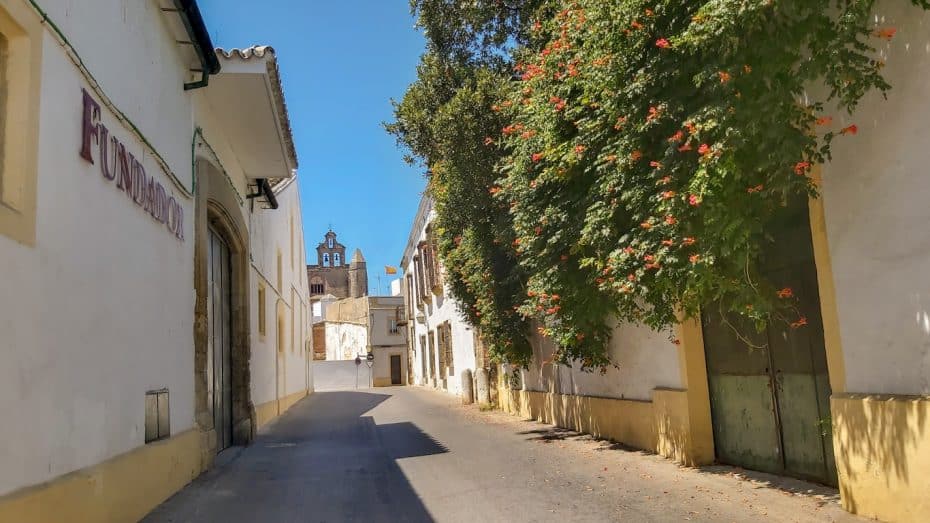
(390, 270)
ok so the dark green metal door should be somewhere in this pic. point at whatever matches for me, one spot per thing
(770, 391)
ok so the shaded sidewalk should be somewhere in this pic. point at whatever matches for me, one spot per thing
(323, 460)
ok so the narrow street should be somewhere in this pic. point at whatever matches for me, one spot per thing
(408, 454)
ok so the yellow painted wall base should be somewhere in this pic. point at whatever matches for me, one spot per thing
(882, 446)
(122, 489)
(266, 412)
(660, 426)
(382, 382)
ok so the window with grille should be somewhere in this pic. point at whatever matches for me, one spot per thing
(432, 354)
(450, 364)
(423, 356)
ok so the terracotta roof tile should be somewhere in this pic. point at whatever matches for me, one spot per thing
(260, 52)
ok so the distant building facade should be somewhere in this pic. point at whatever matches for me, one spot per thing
(358, 326)
(441, 344)
(334, 275)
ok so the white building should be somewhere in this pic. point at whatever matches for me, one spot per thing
(281, 348)
(134, 244)
(354, 327)
(440, 343)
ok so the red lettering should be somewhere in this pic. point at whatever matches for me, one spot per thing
(104, 139)
(149, 205)
(116, 161)
(161, 203)
(179, 227)
(124, 159)
(139, 182)
(170, 214)
(89, 129)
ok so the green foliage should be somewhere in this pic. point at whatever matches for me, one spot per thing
(443, 120)
(642, 159)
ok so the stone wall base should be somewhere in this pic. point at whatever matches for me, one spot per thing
(660, 426)
(882, 446)
(122, 489)
(267, 412)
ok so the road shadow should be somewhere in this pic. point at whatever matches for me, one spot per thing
(550, 434)
(764, 480)
(759, 480)
(323, 461)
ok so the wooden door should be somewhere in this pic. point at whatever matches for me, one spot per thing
(219, 350)
(395, 370)
(770, 391)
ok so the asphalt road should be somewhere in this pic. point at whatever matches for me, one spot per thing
(408, 454)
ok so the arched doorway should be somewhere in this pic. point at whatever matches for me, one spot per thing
(219, 339)
(222, 384)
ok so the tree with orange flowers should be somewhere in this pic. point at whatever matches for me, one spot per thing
(647, 149)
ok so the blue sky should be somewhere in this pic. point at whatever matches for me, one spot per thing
(341, 63)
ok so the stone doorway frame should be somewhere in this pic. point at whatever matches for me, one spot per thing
(217, 206)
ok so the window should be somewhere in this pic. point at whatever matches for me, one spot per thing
(418, 268)
(261, 310)
(446, 365)
(432, 354)
(423, 357)
(282, 328)
(392, 326)
(330, 242)
(409, 292)
(20, 65)
(316, 288)
(325, 259)
(337, 260)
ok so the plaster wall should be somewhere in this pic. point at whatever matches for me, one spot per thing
(875, 194)
(381, 311)
(90, 324)
(439, 310)
(138, 38)
(645, 360)
(345, 340)
(275, 231)
(381, 367)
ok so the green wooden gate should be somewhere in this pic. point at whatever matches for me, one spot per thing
(770, 391)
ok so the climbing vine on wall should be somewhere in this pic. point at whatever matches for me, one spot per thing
(646, 152)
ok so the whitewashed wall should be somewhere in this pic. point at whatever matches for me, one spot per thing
(442, 309)
(381, 311)
(150, 95)
(100, 310)
(345, 340)
(273, 231)
(645, 359)
(876, 193)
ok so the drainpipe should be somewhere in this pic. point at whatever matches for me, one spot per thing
(200, 38)
(269, 194)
